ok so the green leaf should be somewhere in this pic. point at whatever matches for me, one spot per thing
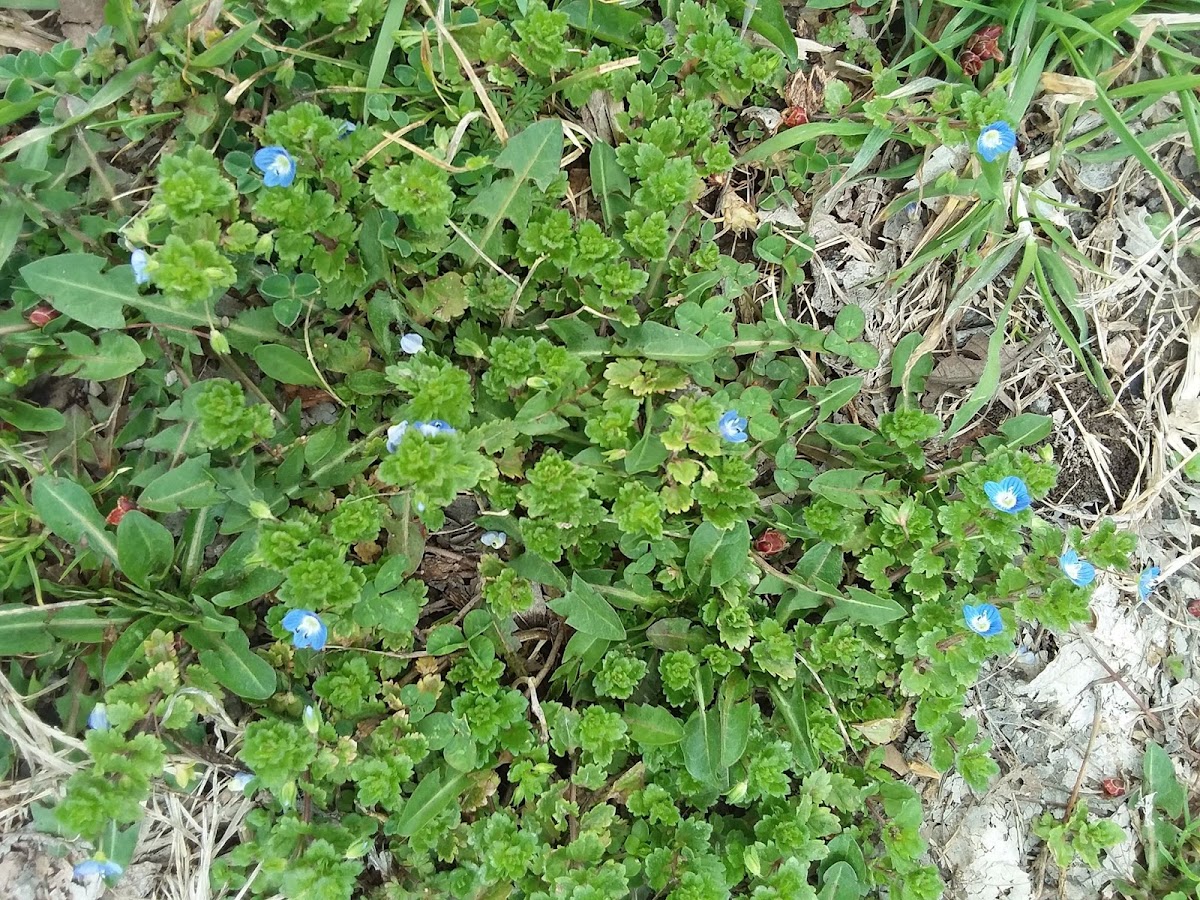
(821, 561)
(27, 417)
(653, 726)
(286, 366)
(535, 153)
(732, 554)
(702, 747)
(793, 709)
(864, 606)
(790, 137)
(145, 548)
(646, 455)
(232, 662)
(187, 486)
(589, 613)
(23, 630)
(833, 396)
(850, 322)
(432, 797)
(69, 511)
(128, 646)
(771, 22)
(607, 22)
(1026, 429)
(841, 486)
(118, 354)
(76, 286)
(670, 634)
(536, 568)
(701, 548)
(736, 716)
(225, 49)
(1158, 776)
(652, 340)
(385, 42)
(608, 179)
(840, 882)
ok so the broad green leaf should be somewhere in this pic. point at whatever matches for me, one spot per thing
(536, 568)
(23, 630)
(145, 548)
(608, 22)
(702, 748)
(117, 354)
(850, 322)
(589, 613)
(653, 726)
(69, 511)
(187, 486)
(790, 137)
(1158, 776)
(833, 396)
(226, 48)
(732, 555)
(27, 417)
(232, 662)
(670, 634)
(77, 287)
(608, 179)
(646, 455)
(769, 20)
(701, 548)
(792, 707)
(841, 486)
(652, 340)
(840, 882)
(864, 606)
(823, 561)
(1026, 429)
(432, 797)
(736, 715)
(533, 155)
(127, 647)
(286, 366)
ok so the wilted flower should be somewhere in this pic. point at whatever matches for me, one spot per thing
(394, 434)
(137, 261)
(306, 628)
(411, 343)
(346, 129)
(1009, 495)
(1079, 571)
(983, 619)
(97, 868)
(770, 542)
(98, 717)
(733, 427)
(277, 166)
(239, 781)
(124, 505)
(1147, 581)
(995, 140)
(493, 539)
(41, 316)
(434, 427)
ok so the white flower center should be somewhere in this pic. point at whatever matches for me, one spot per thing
(1006, 499)
(281, 165)
(309, 625)
(981, 623)
(991, 138)
(1072, 570)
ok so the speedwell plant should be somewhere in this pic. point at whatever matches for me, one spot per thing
(446, 492)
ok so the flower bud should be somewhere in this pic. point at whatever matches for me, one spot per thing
(218, 342)
(260, 510)
(751, 861)
(312, 720)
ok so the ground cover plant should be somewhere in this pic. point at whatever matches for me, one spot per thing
(397, 422)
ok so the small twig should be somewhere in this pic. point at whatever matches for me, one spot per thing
(534, 705)
(1118, 679)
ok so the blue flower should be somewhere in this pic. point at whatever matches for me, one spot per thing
(98, 718)
(733, 427)
(306, 628)
(434, 427)
(91, 868)
(983, 619)
(394, 434)
(240, 781)
(277, 166)
(1079, 571)
(995, 140)
(1009, 495)
(1147, 581)
(137, 260)
(411, 343)
(346, 129)
(493, 539)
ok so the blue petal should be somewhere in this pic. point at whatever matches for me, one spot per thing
(98, 718)
(294, 617)
(995, 140)
(137, 261)
(1146, 582)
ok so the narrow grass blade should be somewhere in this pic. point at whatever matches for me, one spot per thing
(382, 54)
